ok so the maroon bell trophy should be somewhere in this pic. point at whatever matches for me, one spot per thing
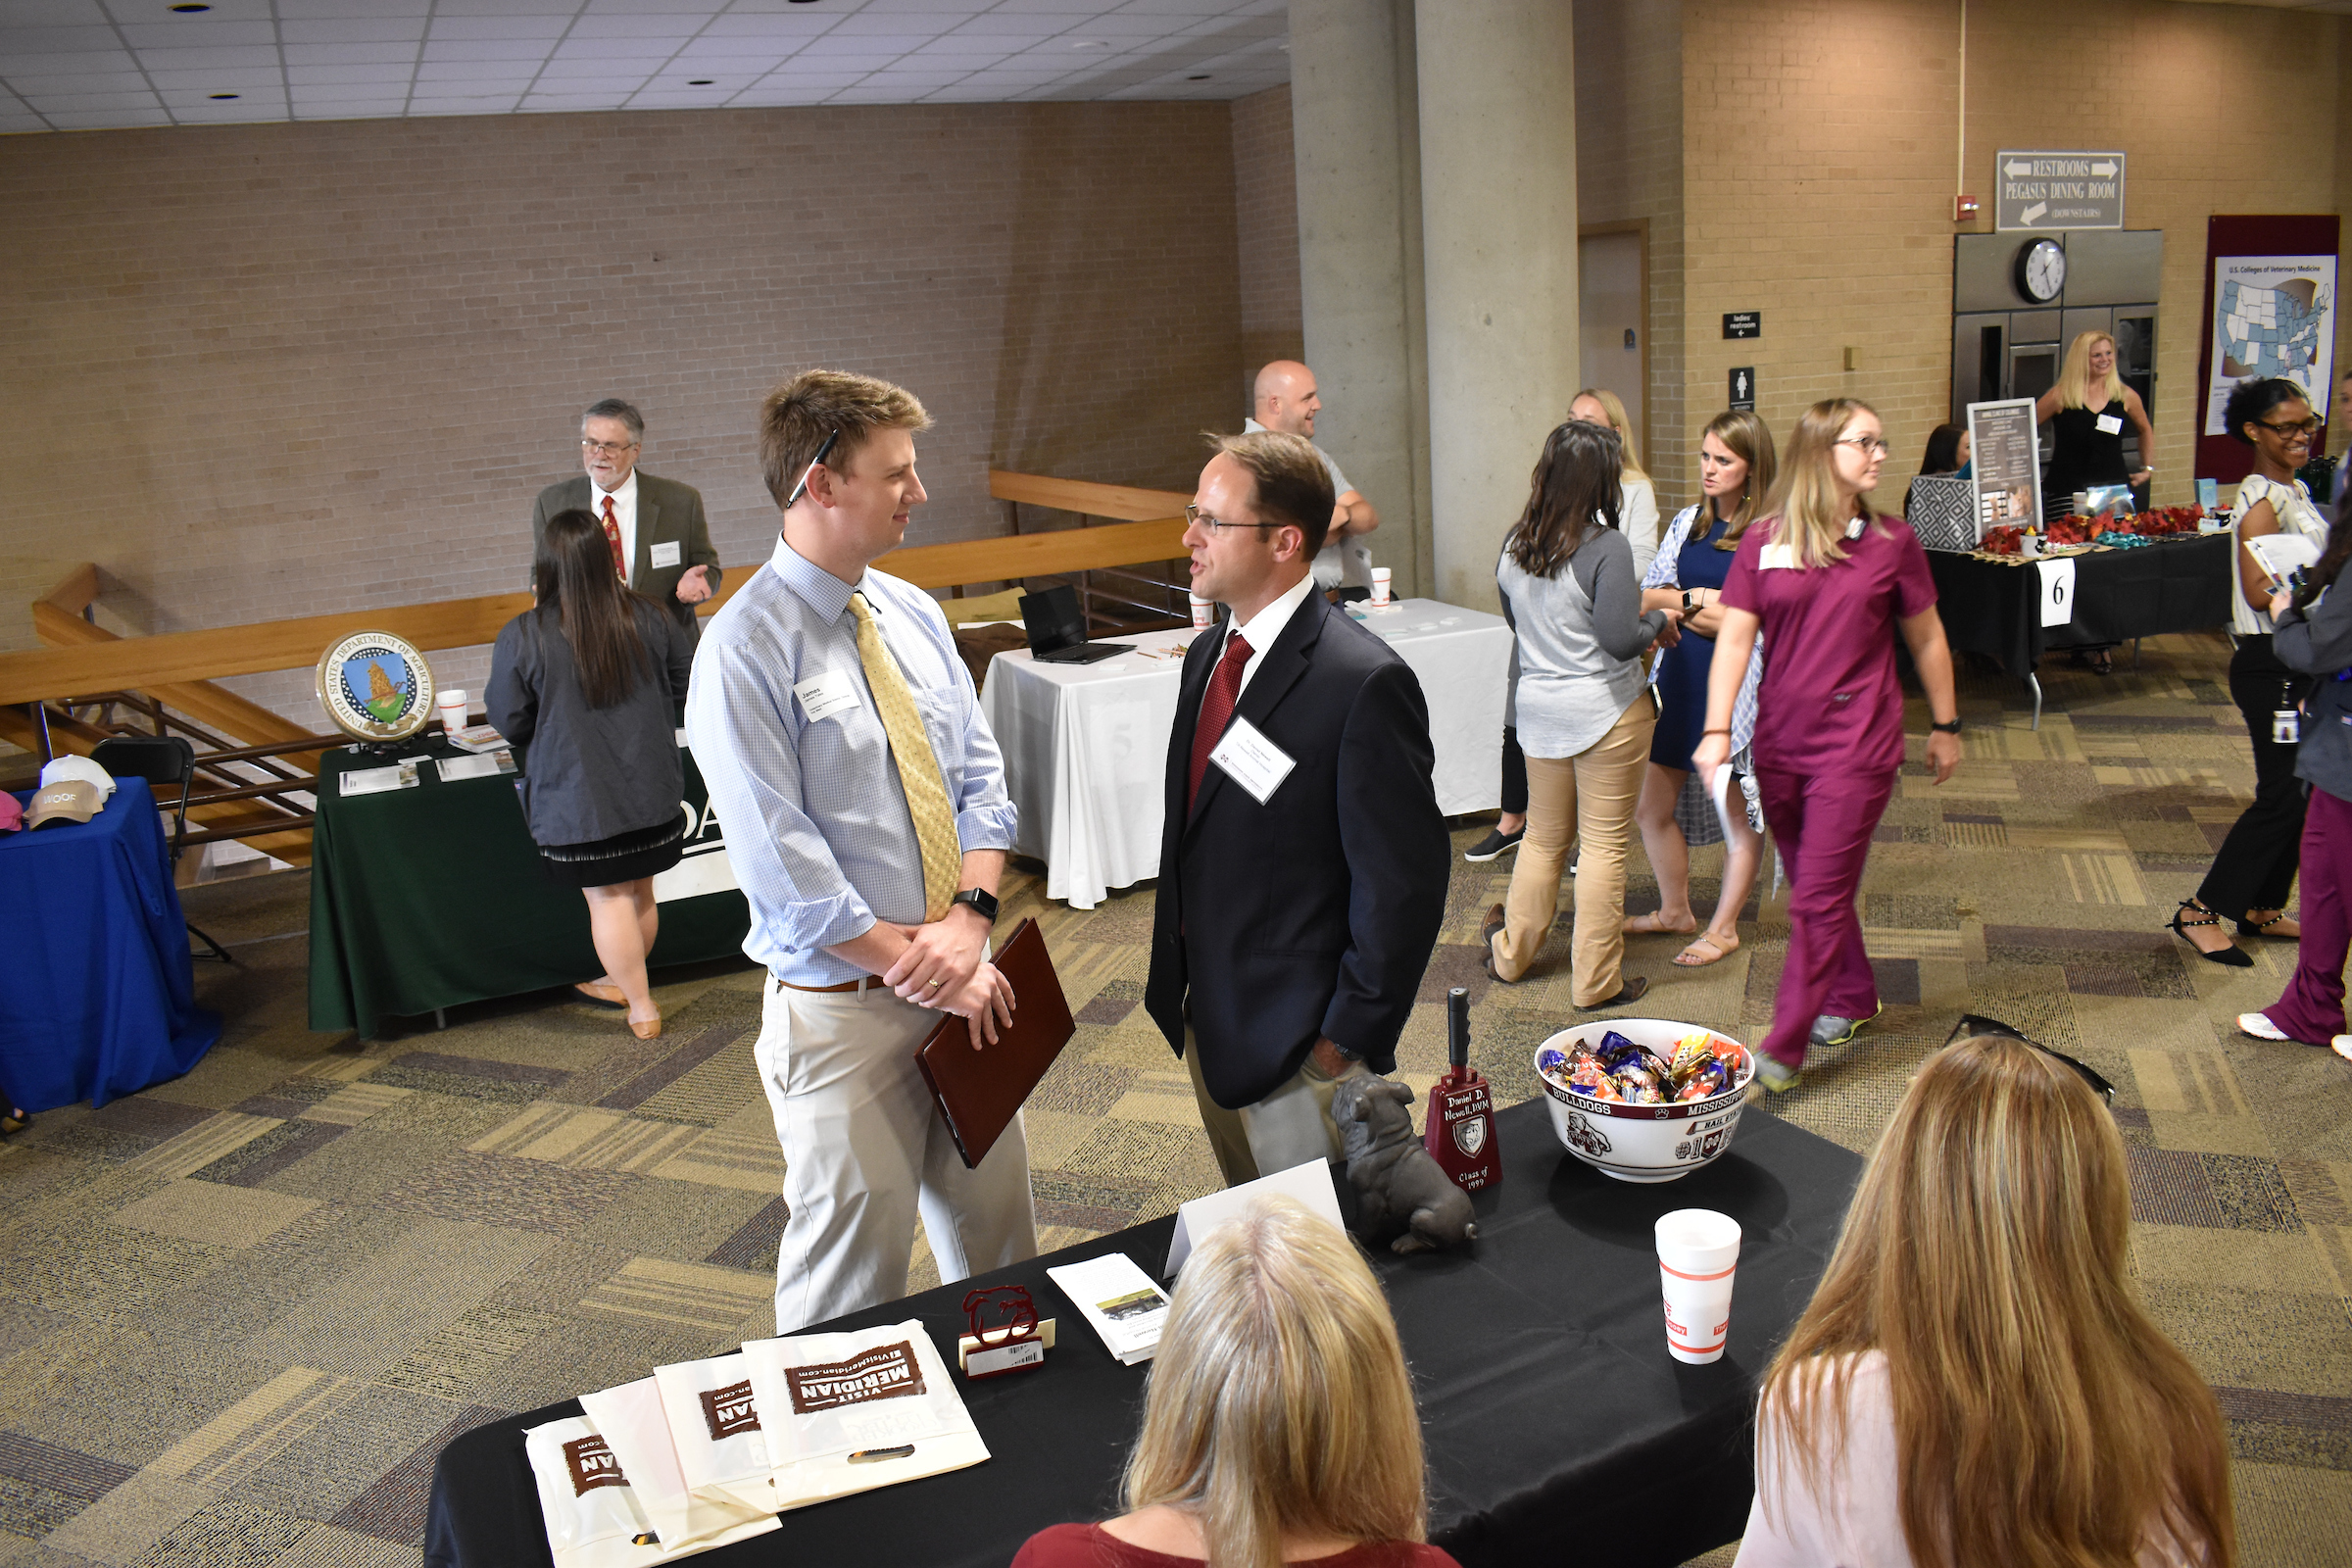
(1459, 1130)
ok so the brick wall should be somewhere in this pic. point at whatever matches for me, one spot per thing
(1819, 155)
(1265, 198)
(259, 372)
(1629, 166)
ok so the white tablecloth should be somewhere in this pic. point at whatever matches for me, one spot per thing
(1086, 746)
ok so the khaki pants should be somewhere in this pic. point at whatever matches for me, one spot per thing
(1587, 800)
(1288, 1127)
(865, 1151)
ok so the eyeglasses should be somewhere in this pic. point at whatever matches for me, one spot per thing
(2299, 428)
(608, 449)
(1192, 515)
(1972, 1023)
(1869, 446)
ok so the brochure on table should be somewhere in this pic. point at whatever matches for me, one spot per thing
(1309, 1185)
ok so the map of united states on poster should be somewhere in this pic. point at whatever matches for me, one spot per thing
(2273, 316)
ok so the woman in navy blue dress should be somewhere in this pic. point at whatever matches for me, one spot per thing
(1735, 466)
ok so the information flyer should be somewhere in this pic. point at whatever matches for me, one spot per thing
(2273, 316)
(2005, 447)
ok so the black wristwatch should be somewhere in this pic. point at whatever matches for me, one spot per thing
(984, 902)
(1953, 728)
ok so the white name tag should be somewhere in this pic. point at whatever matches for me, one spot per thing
(825, 695)
(2109, 424)
(665, 555)
(1251, 760)
(1777, 558)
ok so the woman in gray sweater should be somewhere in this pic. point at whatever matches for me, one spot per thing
(1573, 597)
(585, 685)
(2314, 637)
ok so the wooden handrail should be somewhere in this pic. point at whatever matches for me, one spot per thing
(174, 666)
(1084, 496)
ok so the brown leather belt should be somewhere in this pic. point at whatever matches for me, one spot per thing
(846, 985)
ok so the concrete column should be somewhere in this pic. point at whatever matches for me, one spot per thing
(1497, 113)
(1357, 151)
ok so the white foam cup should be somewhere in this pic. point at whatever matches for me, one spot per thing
(1699, 1251)
(1202, 610)
(1380, 585)
(449, 704)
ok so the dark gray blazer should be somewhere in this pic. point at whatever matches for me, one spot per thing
(591, 773)
(667, 510)
(2318, 641)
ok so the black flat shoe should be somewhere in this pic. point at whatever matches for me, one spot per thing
(2262, 928)
(1493, 844)
(1634, 990)
(2227, 958)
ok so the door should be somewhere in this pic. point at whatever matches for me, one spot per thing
(1609, 276)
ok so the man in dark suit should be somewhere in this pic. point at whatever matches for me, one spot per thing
(655, 526)
(1303, 875)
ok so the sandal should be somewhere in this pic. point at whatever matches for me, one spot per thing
(2227, 958)
(1721, 951)
(2262, 928)
(1648, 925)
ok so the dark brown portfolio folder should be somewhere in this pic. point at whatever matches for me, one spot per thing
(980, 1091)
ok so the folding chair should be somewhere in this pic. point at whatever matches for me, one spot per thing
(162, 760)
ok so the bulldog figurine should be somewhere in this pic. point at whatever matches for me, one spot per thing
(1399, 1187)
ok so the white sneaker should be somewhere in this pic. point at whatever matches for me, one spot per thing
(2342, 1045)
(2260, 1027)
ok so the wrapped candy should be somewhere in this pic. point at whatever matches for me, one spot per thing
(1623, 1072)
(1710, 1077)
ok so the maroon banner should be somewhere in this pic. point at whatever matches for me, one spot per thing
(2223, 457)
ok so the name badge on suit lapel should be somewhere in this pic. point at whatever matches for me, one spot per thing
(1251, 760)
(665, 554)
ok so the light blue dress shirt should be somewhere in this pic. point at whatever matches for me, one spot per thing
(814, 816)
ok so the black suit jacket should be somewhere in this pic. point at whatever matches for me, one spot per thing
(667, 510)
(1314, 914)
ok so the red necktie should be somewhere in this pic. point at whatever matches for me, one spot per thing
(1216, 710)
(613, 538)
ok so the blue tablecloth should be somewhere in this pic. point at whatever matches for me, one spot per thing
(97, 991)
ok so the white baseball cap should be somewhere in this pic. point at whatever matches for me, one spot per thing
(72, 769)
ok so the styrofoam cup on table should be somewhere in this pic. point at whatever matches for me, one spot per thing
(449, 704)
(1699, 1253)
(1380, 585)
(1203, 611)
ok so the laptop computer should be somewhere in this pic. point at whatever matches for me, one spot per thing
(1057, 629)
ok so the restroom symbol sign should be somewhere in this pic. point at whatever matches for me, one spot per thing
(1743, 387)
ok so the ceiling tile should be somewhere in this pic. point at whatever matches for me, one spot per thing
(215, 36)
(89, 102)
(547, 29)
(349, 54)
(354, 9)
(343, 75)
(56, 40)
(219, 78)
(506, 7)
(197, 59)
(485, 49)
(790, 28)
(501, 71)
(68, 82)
(51, 14)
(77, 63)
(380, 30)
(107, 119)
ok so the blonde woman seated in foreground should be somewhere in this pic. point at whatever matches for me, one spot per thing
(1975, 1383)
(1279, 1362)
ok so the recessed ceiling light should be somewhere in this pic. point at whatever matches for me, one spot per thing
(1204, 77)
(1092, 43)
(226, 95)
(701, 81)
(187, 10)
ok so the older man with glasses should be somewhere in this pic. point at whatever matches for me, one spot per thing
(661, 541)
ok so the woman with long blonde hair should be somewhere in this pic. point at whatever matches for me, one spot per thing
(1737, 464)
(1279, 1424)
(1827, 584)
(2086, 412)
(1975, 1383)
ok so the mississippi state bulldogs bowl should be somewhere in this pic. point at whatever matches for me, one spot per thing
(1636, 1143)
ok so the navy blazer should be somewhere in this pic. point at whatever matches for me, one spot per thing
(1314, 914)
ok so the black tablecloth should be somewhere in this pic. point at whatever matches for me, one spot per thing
(427, 897)
(1558, 1427)
(2177, 584)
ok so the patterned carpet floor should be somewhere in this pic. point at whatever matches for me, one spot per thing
(244, 1310)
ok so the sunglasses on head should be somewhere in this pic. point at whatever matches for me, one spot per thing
(1972, 1023)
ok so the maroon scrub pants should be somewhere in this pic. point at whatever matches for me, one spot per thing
(2313, 1009)
(1823, 823)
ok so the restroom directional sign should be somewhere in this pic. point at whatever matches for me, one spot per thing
(2058, 190)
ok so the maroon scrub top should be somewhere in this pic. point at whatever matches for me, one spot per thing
(1831, 700)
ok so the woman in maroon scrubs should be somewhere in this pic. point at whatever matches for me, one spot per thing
(1829, 584)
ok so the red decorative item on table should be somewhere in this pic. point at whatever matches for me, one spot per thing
(1460, 1129)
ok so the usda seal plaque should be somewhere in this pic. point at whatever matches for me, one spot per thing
(376, 686)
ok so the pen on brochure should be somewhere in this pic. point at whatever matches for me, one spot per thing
(905, 1451)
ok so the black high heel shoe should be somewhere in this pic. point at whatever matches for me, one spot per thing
(2227, 958)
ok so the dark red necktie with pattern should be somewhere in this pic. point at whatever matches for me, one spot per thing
(613, 538)
(1216, 710)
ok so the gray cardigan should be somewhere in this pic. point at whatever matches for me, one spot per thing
(2319, 642)
(591, 773)
(1578, 640)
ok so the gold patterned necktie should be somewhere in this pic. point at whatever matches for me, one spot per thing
(919, 766)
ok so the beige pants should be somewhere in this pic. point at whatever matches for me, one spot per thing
(865, 1151)
(1288, 1127)
(1587, 800)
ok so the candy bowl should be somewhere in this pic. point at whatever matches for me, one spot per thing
(1644, 1100)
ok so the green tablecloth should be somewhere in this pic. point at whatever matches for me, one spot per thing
(430, 896)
